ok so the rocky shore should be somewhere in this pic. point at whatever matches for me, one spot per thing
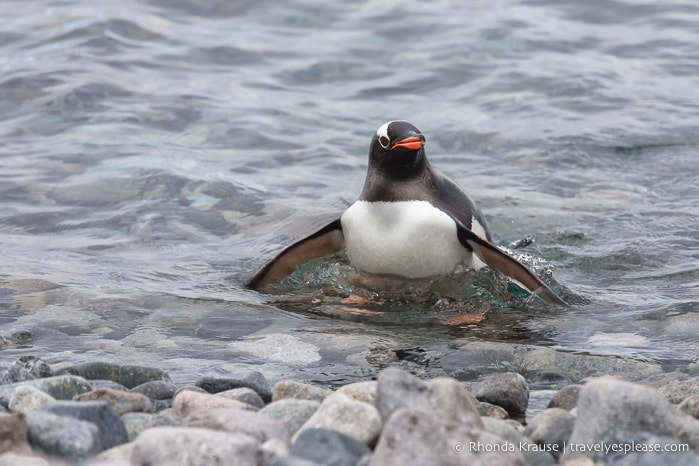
(105, 414)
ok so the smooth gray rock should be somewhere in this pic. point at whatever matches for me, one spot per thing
(348, 416)
(607, 406)
(419, 437)
(111, 430)
(328, 447)
(299, 391)
(253, 424)
(136, 423)
(156, 389)
(195, 446)
(244, 394)
(508, 390)
(677, 391)
(103, 383)
(290, 412)
(551, 429)
(566, 398)
(534, 455)
(445, 397)
(63, 436)
(61, 387)
(27, 398)
(361, 391)
(254, 380)
(126, 375)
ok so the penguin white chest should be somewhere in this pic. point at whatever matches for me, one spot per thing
(411, 239)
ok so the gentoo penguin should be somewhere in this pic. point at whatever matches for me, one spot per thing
(409, 221)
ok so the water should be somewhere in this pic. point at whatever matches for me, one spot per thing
(154, 154)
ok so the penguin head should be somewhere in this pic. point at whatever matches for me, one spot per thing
(397, 149)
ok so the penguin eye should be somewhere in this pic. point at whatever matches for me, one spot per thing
(384, 141)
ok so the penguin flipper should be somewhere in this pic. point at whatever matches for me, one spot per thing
(327, 240)
(499, 260)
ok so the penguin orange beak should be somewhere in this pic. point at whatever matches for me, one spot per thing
(412, 143)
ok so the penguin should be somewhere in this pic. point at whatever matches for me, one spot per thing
(410, 221)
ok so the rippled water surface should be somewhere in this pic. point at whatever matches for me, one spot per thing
(155, 153)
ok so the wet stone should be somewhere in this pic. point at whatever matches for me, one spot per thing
(254, 380)
(61, 387)
(566, 398)
(346, 415)
(490, 410)
(547, 380)
(244, 394)
(121, 401)
(128, 376)
(63, 436)
(136, 423)
(552, 429)
(253, 424)
(36, 366)
(188, 402)
(111, 430)
(508, 390)
(677, 391)
(160, 405)
(194, 446)
(26, 398)
(107, 384)
(14, 375)
(13, 433)
(156, 390)
(290, 412)
(299, 391)
(328, 447)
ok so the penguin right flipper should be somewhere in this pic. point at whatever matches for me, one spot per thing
(327, 240)
(499, 260)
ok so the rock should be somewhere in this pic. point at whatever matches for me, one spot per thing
(445, 397)
(36, 366)
(348, 416)
(160, 405)
(292, 413)
(677, 391)
(129, 376)
(328, 447)
(490, 410)
(254, 380)
(122, 402)
(690, 406)
(136, 423)
(107, 384)
(551, 429)
(534, 455)
(13, 433)
(419, 437)
(191, 388)
(27, 398)
(115, 456)
(61, 387)
(299, 391)
(193, 446)
(15, 375)
(361, 391)
(547, 380)
(641, 448)
(156, 389)
(566, 398)
(244, 394)
(12, 459)
(293, 461)
(253, 424)
(189, 402)
(111, 430)
(508, 390)
(607, 406)
(63, 436)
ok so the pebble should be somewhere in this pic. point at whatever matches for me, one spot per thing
(339, 412)
(508, 430)
(418, 437)
(690, 406)
(490, 410)
(122, 402)
(299, 391)
(37, 367)
(290, 412)
(254, 380)
(27, 398)
(566, 398)
(677, 391)
(61, 387)
(14, 375)
(253, 424)
(12, 459)
(156, 389)
(551, 429)
(13, 433)
(127, 375)
(189, 402)
(328, 447)
(508, 390)
(111, 430)
(63, 436)
(107, 384)
(194, 446)
(136, 423)
(244, 394)
(445, 397)
(607, 405)
(361, 391)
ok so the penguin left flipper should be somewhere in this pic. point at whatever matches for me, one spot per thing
(499, 260)
(327, 240)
